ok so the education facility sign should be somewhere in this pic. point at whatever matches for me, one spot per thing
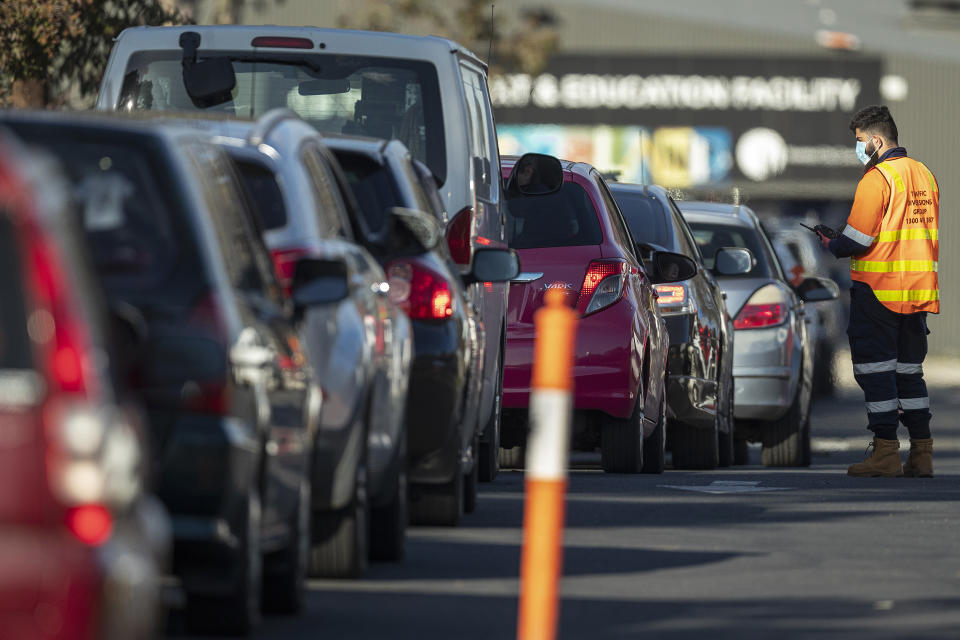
(691, 121)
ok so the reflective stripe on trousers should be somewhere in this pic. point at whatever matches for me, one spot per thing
(888, 350)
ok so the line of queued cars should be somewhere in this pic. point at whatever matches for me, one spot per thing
(274, 301)
(312, 345)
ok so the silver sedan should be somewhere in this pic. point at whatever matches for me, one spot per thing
(773, 356)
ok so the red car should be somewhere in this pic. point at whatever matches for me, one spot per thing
(80, 544)
(573, 237)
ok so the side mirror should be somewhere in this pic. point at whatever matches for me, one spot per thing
(208, 82)
(318, 281)
(672, 267)
(424, 227)
(535, 174)
(817, 290)
(733, 261)
(493, 265)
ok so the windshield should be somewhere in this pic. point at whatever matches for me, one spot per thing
(356, 95)
(710, 237)
(566, 218)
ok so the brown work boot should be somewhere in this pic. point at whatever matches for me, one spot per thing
(920, 461)
(884, 462)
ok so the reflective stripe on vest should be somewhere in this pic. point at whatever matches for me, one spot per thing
(893, 265)
(901, 264)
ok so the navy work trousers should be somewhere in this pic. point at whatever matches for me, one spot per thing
(888, 349)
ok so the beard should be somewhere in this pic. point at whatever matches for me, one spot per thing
(874, 160)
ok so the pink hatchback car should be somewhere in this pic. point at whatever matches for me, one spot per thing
(571, 235)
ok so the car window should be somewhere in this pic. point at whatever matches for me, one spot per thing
(478, 115)
(14, 341)
(372, 186)
(711, 236)
(645, 217)
(566, 218)
(247, 265)
(134, 237)
(323, 183)
(616, 218)
(682, 233)
(262, 185)
(377, 97)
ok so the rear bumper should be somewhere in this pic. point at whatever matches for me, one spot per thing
(764, 373)
(607, 363)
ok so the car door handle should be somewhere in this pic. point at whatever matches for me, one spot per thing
(527, 276)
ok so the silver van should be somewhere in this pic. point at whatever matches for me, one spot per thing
(428, 92)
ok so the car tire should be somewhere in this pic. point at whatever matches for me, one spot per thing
(239, 612)
(654, 447)
(471, 481)
(513, 458)
(285, 572)
(340, 538)
(694, 447)
(439, 504)
(621, 441)
(786, 440)
(489, 455)
(388, 523)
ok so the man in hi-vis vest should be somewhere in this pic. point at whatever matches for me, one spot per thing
(891, 239)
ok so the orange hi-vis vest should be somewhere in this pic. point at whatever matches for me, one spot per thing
(898, 216)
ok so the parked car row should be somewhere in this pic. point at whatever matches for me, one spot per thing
(276, 303)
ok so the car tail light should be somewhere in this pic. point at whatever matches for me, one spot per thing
(422, 293)
(284, 263)
(459, 237)
(208, 396)
(282, 43)
(767, 307)
(674, 299)
(602, 285)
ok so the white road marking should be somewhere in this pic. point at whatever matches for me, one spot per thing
(724, 486)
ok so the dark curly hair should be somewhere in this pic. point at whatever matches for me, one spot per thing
(875, 119)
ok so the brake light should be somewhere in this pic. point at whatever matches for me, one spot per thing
(459, 234)
(208, 396)
(767, 307)
(674, 299)
(421, 293)
(284, 263)
(90, 523)
(282, 43)
(602, 285)
(670, 294)
(754, 316)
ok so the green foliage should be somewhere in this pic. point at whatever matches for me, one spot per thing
(519, 42)
(68, 41)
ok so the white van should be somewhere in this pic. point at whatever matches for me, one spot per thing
(428, 92)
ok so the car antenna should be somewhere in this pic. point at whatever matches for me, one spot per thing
(490, 42)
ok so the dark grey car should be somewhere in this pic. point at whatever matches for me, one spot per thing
(232, 409)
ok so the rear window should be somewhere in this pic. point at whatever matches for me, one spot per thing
(359, 95)
(645, 216)
(262, 185)
(566, 218)
(14, 344)
(373, 187)
(126, 213)
(710, 237)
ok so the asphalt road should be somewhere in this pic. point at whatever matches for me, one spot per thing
(742, 553)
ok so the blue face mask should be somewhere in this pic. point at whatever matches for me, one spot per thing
(862, 152)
